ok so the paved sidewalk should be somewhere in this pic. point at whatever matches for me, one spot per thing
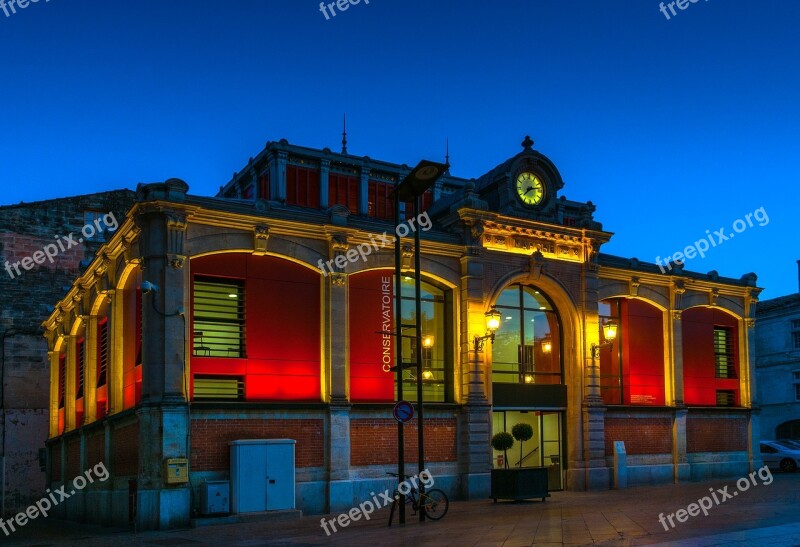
(763, 515)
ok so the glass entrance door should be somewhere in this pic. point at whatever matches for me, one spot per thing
(542, 450)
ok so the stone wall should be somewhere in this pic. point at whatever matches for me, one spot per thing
(25, 230)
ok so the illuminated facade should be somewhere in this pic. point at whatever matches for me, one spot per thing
(243, 336)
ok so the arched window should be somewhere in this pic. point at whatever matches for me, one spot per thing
(710, 357)
(132, 341)
(632, 367)
(527, 347)
(372, 340)
(788, 430)
(255, 329)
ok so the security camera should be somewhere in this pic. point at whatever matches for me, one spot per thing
(148, 287)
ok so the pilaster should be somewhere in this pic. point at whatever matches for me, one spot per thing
(117, 352)
(164, 419)
(90, 370)
(680, 460)
(324, 182)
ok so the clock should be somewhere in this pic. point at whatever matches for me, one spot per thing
(530, 188)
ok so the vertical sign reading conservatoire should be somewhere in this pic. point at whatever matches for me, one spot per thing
(386, 322)
(371, 344)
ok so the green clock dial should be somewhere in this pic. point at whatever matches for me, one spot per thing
(530, 188)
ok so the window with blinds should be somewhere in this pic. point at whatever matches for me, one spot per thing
(102, 352)
(723, 353)
(80, 360)
(219, 387)
(62, 379)
(726, 398)
(218, 318)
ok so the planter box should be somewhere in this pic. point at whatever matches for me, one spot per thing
(519, 483)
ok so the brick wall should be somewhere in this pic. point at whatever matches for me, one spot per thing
(95, 448)
(55, 462)
(374, 441)
(210, 438)
(26, 228)
(125, 450)
(716, 434)
(73, 457)
(652, 435)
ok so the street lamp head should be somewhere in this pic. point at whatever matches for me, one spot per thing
(427, 341)
(427, 374)
(492, 320)
(547, 344)
(610, 330)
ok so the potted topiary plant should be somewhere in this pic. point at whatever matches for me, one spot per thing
(522, 432)
(502, 442)
(517, 483)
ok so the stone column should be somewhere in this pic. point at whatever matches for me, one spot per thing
(680, 458)
(164, 413)
(475, 416)
(340, 492)
(52, 357)
(117, 352)
(597, 473)
(90, 370)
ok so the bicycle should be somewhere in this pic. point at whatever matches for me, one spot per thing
(433, 502)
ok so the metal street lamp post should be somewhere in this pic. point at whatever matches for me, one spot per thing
(421, 178)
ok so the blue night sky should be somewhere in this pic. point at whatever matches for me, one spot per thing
(671, 127)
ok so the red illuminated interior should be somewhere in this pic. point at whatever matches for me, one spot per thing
(369, 381)
(699, 376)
(282, 326)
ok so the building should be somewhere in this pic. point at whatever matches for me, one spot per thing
(257, 314)
(778, 366)
(30, 284)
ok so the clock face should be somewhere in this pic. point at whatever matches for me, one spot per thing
(530, 189)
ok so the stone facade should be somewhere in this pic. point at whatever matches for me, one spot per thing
(297, 375)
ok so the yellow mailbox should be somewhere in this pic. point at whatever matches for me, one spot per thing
(176, 470)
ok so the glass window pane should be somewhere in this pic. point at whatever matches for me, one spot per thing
(509, 298)
(527, 345)
(506, 349)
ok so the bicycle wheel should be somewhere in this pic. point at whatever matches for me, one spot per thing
(434, 503)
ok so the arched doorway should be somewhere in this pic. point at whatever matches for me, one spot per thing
(528, 379)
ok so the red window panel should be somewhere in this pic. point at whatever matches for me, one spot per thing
(381, 203)
(343, 190)
(249, 192)
(425, 202)
(302, 186)
(263, 185)
(701, 381)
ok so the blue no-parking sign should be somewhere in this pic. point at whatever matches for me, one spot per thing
(403, 411)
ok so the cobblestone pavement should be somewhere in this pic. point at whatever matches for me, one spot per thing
(763, 515)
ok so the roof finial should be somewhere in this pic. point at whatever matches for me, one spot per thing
(447, 153)
(344, 136)
(527, 144)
